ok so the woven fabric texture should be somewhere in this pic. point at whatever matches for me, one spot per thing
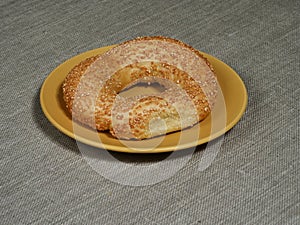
(255, 177)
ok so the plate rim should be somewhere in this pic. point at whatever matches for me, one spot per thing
(124, 148)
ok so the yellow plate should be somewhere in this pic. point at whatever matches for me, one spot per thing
(233, 106)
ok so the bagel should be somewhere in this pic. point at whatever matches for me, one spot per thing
(91, 89)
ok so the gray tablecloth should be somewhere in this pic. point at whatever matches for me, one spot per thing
(254, 178)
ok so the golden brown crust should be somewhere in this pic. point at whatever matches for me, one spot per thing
(73, 79)
(148, 108)
(175, 41)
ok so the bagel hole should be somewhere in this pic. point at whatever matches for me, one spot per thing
(142, 88)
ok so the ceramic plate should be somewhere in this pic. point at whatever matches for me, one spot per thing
(227, 112)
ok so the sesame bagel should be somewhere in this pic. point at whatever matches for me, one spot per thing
(91, 89)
